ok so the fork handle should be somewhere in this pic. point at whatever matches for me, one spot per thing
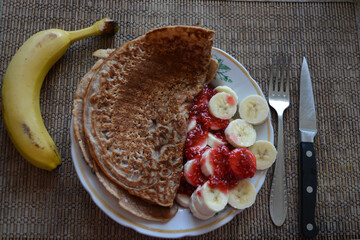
(278, 195)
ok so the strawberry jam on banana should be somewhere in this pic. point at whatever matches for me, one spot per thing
(228, 165)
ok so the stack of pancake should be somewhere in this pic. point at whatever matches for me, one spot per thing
(130, 115)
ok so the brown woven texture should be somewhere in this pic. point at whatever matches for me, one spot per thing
(39, 204)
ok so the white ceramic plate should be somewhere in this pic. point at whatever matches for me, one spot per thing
(230, 73)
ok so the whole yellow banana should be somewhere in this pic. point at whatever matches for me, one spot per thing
(21, 90)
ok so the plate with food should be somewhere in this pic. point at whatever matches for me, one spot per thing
(171, 136)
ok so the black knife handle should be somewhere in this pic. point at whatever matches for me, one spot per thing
(308, 185)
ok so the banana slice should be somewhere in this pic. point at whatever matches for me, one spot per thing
(222, 105)
(206, 163)
(243, 195)
(212, 199)
(265, 153)
(199, 206)
(227, 90)
(191, 125)
(182, 199)
(202, 144)
(254, 109)
(188, 171)
(196, 212)
(239, 133)
(214, 141)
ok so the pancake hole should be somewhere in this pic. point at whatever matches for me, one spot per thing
(165, 172)
(174, 160)
(161, 189)
(124, 162)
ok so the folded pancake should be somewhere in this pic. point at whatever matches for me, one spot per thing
(132, 204)
(135, 110)
(213, 66)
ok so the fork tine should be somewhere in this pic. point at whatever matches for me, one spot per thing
(288, 62)
(282, 74)
(272, 76)
(279, 73)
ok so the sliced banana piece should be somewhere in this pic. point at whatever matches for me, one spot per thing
(212, 199)
(254, 109)
(214, 141)
(240, 133)
(182, 199)
(196, 212)
(191, 125)
(227, 90)
(201, 145)
(195, 199)
(265, 153)
(188, 168)
(222, 105)
(206, 163)
(243, 195)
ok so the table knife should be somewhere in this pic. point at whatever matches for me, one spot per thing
(308, 173)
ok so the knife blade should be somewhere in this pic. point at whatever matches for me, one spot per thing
(308, 172)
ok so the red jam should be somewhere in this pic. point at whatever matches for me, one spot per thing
(242, 162)
(194, 175)
(230, 100)
(200, 111)
(225, 160)
(195, 142)
(185, 187)
(222, 173)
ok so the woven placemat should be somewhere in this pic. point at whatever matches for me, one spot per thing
(39, 204)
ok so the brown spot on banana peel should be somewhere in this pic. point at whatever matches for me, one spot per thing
(47, 37)
(28, 132)
(54, 148)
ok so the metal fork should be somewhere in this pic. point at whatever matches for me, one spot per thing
(279, 99)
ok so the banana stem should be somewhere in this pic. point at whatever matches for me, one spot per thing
(104, 26)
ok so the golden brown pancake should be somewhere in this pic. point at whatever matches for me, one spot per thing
(132, 204)
(136, 109)
(130, 115)
(213, 66)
